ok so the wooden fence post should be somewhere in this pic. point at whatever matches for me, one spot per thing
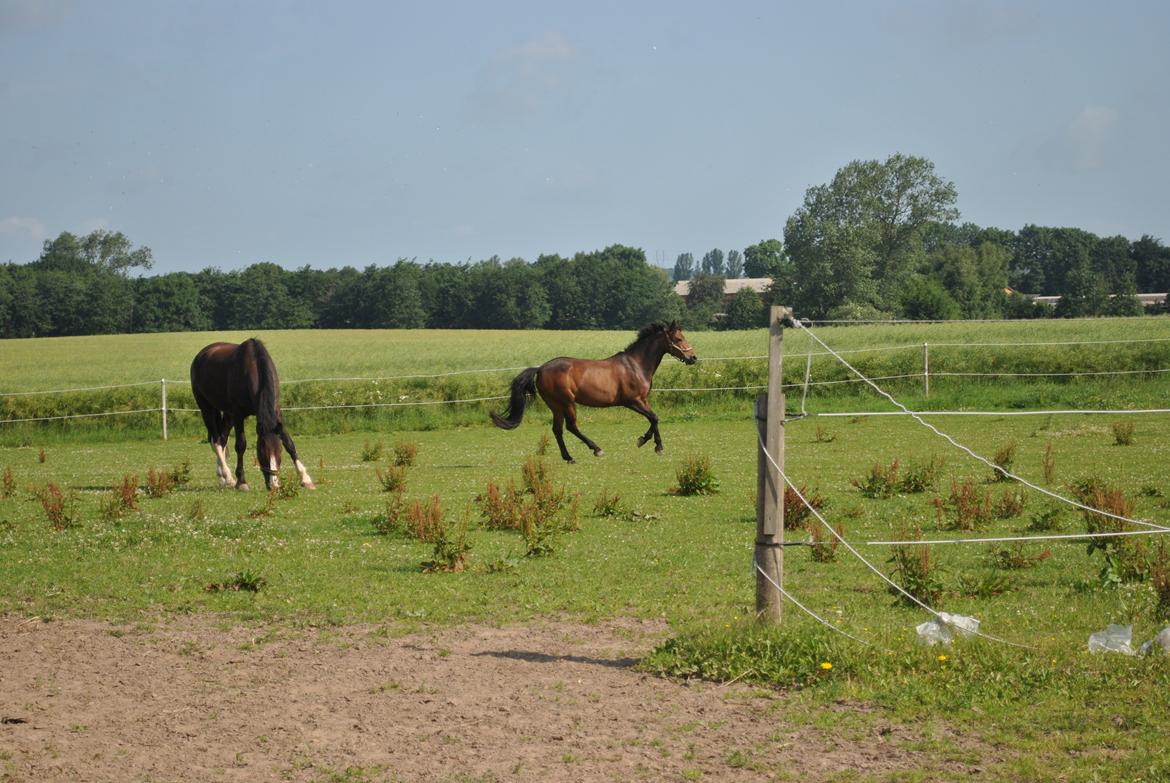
(926, 369)
(769, 551)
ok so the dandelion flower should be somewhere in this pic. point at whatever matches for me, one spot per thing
(826, 666)
(942, 659)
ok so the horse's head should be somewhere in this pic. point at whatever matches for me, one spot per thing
(268, 453)
(677, 345)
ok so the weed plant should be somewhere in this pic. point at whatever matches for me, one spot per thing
(796, 512)
(1005, 457)
(695, 477)
(240, 581)
(607, 504)
(59, 508)
(372, 451)
(1123, 433)
(881, 481)
(914, 572)
(1049, 463)
(1016, 557)
(967, 508)
(158, 483)
(405, 453)
(391, 520)
(824, 545)
(1011, 503)
(8, 484)
(393, 479)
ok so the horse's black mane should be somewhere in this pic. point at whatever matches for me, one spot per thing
(646, 332)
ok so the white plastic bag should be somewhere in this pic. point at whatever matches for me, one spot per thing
(1115, 638)
(942, 629)
(1159, 642)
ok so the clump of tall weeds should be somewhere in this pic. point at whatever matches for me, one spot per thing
(607, 504)
(372, 451)
(450, 545)
(122, 500)
(824, 545)
(8, 484)
(881, 481)
(695, 477)
(1005, 457)
(1127, 559)
(796, 511)
(59, 507)
(967, 508)
(1123, 433)
(158, 483)
(1160, 579)
(386, 523)
(1049, 464)
(914, 572)
(393, 479)
(405, 453)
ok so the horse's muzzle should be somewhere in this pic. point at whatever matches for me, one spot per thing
(690, 359)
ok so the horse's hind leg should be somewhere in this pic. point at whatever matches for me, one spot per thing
(219, 446)
(241, 447)
(558, 428)
(571, 420)
(287, 440)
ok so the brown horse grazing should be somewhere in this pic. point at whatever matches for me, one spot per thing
(232, 382)
(622, 379)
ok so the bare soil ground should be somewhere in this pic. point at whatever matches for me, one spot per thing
(190, 700)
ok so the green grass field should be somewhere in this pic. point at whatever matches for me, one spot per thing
(1058, 712)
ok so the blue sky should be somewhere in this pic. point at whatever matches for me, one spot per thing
(329, 134)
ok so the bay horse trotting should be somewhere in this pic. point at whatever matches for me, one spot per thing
(623, 379)
(232, 382)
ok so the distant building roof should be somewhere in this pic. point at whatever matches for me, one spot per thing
(1147, 300)
(731, 285)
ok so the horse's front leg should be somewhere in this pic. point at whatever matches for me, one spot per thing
(652, 432)
(241, 447)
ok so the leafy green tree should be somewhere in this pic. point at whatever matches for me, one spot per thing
(734, 264)
(684, 266)
(568, 307)
(704, 300)
(257, 298)
(859, 237)
(974, 277)
(1085, 293)
(1151, 264)
(168, 303)
(925, 299)
(745, 310)
(713, 262)
(764, 259)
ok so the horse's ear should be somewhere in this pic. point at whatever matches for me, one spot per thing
(674, 326)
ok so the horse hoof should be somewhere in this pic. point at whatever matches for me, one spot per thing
(243, 487)
(309, 485)
(658, 450)
(642, 442)
(570, 461)
(599, 453)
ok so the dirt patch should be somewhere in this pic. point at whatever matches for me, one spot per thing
(191, 701)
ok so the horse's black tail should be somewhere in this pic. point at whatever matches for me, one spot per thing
(266, 389)
(523, 390)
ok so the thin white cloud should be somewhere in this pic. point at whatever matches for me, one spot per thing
(520, 80)
(1089, 135)
(16, 225)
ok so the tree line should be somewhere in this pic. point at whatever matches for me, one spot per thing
(881, 240)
